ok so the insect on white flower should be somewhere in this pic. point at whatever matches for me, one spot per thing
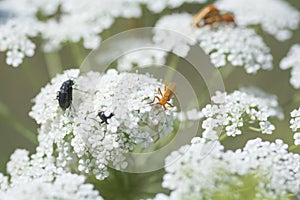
(81, 138)
(224, 43)
(276, 17)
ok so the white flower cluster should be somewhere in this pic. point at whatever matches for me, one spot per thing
(158, 6)
(224, 43)
(80, 138)
(191, 115)
(142, 58)
(37, 177)
(230, 113)
(72, 21)
(86, 20)
(23, 168)
(203, 170)
(174, 33)
(276, 17)
(292, 60)
(15, 41)
(64, 187)
(30, 8)
(295, 125)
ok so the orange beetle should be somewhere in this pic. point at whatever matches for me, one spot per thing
(204, 13)
(166, 96)
(210, 15)
(227, 17)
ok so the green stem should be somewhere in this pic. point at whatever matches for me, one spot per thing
(29, 74)
(76, 51)
(53, 63)
(19, 127)
(222, 137)
(254, 129)
(173, 64)
(290, 195)
(293, 147)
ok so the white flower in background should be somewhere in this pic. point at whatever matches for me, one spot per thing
(295, 125)
(158, 6)
(29, 8)
(231, 113)
(174, 33)
(224, 43)
(292, 60)
(137, 51)
(191, 115)
(15, 40)
(85, 20)
(297, 138)
(238, 46)
(72, 21)
(203, 170)
(65, 187)
(142, 58)
(3, 182)
(276, 17)
(85, 144)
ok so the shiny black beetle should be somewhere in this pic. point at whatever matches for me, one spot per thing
(64, 95)
(103, 117)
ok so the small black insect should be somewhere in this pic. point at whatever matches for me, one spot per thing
(64, 95)
(103, 117)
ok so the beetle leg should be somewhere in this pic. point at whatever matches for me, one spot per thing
(170, 104)
(164, 106)
(156, 97)
(159, 91)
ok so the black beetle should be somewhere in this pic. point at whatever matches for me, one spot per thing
(64, 95)
(103, 117)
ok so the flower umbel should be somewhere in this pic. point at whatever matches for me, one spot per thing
(276, 17)
(224, 43)
(292, 60)
(295, 125)
(85, 144)
(15, 41)
(230, 113)
(203, 170)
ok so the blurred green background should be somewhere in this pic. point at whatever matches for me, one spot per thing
(19, 85)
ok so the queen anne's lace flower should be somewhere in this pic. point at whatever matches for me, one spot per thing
(79, 137)
(295, 125)
(276, 17)
(292, 60)
(230, 113)
(72, 21)
(3, 182)
(191, 115)
(174, 33)
(15, 41)
(23, 168)
(65, 187)
(222, 42)
(204, 171)
(142, 58)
